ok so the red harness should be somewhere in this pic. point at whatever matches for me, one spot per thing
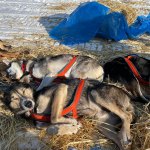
(135, 71)
(23, 67)
(59, 75)
(72, 108)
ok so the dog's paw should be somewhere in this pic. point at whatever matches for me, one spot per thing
(63, 129)
(71, 121)
(41, 125)
(125, 139)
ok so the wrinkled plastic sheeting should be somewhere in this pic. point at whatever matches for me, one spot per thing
(140, 26)
(81, 26)
(113, 26)
(92, 19)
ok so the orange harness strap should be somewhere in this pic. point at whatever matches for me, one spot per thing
(67, 67)
(61, 74)
(134, 71)
(42, 118)
(72, 107)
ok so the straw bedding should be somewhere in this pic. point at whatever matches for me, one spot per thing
(88, 135)
(128, 11)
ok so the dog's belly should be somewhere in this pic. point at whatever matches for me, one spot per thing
(91, 110)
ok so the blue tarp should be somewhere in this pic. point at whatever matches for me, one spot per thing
(92, 19)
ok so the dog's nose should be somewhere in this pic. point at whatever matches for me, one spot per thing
(28, 104)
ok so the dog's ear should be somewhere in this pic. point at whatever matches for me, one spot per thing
(6, 61)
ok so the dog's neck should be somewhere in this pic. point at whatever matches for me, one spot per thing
(25, 67)
(28, 65)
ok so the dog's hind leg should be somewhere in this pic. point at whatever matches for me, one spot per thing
(124, 116)
(107, 124)
(58, 104)
(109, 131)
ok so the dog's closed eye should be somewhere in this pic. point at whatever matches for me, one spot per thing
(23, 91)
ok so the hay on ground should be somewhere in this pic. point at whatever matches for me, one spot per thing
(88, 135)
(128, 11)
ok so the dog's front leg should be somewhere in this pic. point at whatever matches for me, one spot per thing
(47, 80)
(59, 102)
(59, 124)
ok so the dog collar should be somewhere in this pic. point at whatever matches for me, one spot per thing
(134, 70)
(23, 67)
(72, 108)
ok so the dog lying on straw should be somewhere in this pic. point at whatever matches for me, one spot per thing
(49, 68)
(106, 103)
(133, 72)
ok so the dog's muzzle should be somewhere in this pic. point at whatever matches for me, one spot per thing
(27, 104)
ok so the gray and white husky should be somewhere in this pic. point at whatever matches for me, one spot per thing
(103, 102)
(47, 69)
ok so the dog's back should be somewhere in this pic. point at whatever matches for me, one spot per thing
(118, 71)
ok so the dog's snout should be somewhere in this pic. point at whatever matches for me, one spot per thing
(28, 104)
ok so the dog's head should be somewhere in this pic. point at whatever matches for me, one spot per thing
(143, 66)
(14, 70)
(21, 99)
